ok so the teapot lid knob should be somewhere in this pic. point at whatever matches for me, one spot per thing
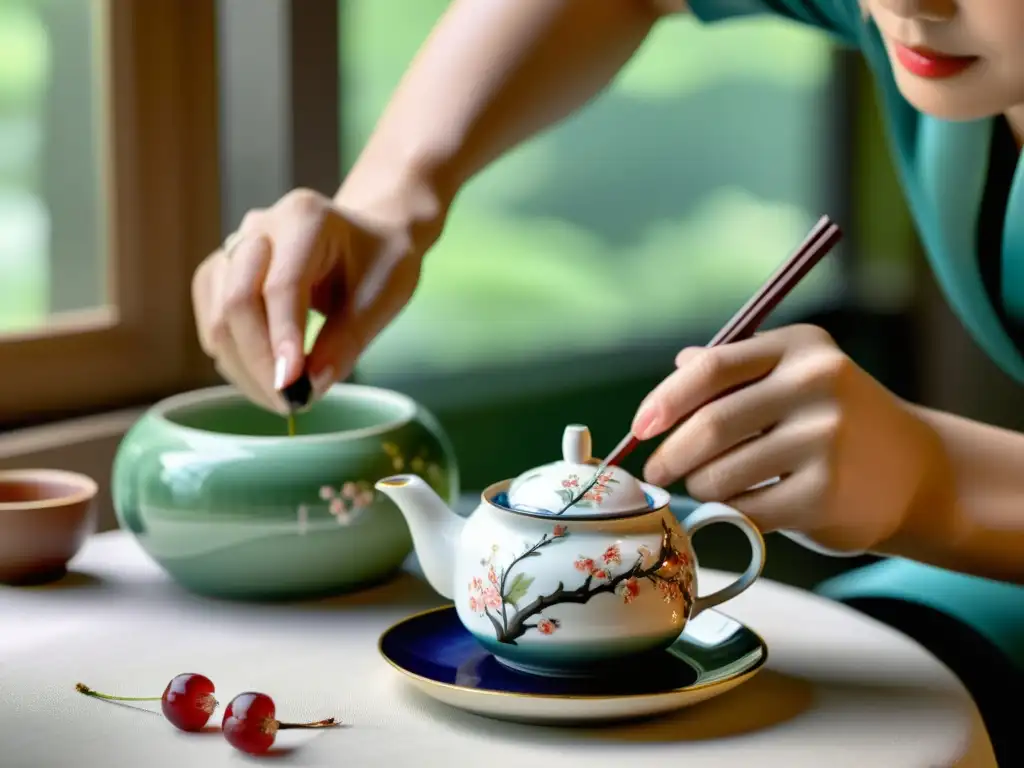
(576, 445)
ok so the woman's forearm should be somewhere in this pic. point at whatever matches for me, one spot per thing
(971, 516)
(491, 75)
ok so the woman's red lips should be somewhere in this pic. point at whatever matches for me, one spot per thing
(925, 63)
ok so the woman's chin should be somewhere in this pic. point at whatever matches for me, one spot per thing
(946, 101)
(957, 99)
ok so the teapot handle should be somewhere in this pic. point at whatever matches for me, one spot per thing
(714, 512)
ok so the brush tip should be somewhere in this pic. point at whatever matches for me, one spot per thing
(297, 393)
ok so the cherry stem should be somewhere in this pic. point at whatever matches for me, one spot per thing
(82, 688)
(330, 721)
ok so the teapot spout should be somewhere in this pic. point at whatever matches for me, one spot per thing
(435, 529)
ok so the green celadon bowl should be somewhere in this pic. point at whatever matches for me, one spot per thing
(230, 506)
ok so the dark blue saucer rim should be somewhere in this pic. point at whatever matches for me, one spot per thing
(508, 681)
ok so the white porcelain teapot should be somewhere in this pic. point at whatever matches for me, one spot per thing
(614, 576)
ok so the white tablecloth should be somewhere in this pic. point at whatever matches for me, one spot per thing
(838, 690)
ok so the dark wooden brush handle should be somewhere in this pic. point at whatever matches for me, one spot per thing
(819, 242)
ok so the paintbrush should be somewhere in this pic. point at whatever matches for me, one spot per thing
(819, 242)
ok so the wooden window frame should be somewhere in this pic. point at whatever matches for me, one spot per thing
(278, 69)
(161, 201)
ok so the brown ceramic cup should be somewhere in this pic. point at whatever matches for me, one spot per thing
(45, 517)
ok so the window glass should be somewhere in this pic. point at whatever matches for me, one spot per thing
(652, 215)
(51, 210)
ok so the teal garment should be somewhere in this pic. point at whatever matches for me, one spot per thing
(942, 166)
(993, 609)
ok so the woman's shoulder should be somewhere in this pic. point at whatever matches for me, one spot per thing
(843, 19)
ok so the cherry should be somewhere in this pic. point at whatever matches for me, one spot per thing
(250, 724)
(188, 700)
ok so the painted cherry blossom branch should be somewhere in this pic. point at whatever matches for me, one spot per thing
(518, 626)
(559, 532)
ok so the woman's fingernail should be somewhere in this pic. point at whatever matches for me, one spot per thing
(287, 351)
(280, 371)
(643, 421)
(323, 380)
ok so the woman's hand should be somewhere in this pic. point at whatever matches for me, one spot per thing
(356, 266)
(490, 77)
(851, 458)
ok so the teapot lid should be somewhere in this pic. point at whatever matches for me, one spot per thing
(548, 488)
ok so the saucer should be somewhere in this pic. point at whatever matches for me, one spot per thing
(440, 657)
